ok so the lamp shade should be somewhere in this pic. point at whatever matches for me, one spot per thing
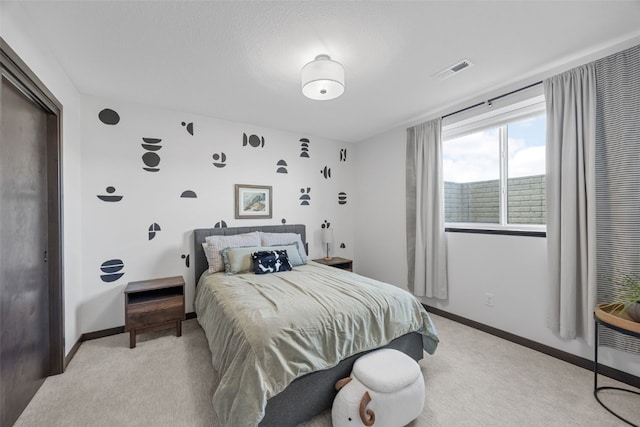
(327, 235)
(323, 79)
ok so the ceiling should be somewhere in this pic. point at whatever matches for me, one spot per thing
(241, 61)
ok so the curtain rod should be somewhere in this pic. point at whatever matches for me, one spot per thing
(489, 101)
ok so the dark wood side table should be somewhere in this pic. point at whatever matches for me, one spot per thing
(608, 315)
(151, 305)
(337, 262)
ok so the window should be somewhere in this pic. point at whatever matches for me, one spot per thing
(526, 197)
(494, 170)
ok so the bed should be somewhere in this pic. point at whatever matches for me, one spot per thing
(252, 389)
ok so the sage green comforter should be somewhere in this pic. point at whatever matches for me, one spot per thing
(264, 331)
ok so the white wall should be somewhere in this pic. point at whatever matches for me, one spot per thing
(96, 156)
(512, 268)
(112, 156)
(381, 250)
(13, 22)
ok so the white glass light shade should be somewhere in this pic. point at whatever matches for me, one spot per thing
(323, 79)
(327, 235)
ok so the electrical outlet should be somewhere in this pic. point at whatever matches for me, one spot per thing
(488, 300)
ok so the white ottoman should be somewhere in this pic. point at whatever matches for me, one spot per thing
(385, 389)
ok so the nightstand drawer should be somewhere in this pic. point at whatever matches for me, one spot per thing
(160, 310)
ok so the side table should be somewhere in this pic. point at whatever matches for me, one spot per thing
(337, 262)
(608, 315)
(155, 304)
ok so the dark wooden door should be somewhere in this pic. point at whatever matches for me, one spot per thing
(24, 281)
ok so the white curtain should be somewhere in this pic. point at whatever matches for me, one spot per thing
(426, 243)
(571, 217)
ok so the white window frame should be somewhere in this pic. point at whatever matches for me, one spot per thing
(496, 118)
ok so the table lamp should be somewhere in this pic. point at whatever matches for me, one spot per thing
(327, 237)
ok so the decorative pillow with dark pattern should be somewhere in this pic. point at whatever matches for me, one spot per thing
(270, 262)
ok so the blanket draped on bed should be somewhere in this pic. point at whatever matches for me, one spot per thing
(264, 331)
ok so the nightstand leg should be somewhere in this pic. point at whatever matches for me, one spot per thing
(132, 338)
(179, 328)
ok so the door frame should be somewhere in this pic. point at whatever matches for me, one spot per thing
(19, 74)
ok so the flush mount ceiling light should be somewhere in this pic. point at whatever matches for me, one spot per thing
(323, 79)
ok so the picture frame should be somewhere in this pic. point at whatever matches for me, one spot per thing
(253, 201)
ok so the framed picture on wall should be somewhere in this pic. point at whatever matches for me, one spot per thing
(253, 201)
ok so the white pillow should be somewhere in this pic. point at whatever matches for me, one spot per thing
(272, 239)
(215, 244)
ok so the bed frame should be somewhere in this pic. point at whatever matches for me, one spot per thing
(313, 393)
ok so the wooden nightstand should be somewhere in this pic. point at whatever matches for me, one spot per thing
(337, 262)
(151, 305)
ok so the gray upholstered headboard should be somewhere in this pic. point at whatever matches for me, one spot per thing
(199, 234)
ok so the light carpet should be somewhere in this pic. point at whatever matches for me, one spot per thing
(474, 379)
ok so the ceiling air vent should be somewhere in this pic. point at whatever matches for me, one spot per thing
(454, 69)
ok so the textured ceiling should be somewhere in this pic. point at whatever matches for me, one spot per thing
(241, 61)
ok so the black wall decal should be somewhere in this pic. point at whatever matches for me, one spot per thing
(343, 154)
(189, 194)
(151, 159)
(185, 257)
(111, 270)
(304, 147)
(342, 246)
(151, 147)
(254, 140)
(283, 167)
(189, 127)
(112, 197)
(220, 160)
(220, 224)
(342, 198)
(326, 172)
(305, 199)
(326, 224)
(283, 221)
(109, 116)
(153, 228)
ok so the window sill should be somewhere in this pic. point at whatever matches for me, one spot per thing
(503, 232)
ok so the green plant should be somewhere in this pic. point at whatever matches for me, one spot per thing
(627, 290)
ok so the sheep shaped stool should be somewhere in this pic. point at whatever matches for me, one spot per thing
(385, 389)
